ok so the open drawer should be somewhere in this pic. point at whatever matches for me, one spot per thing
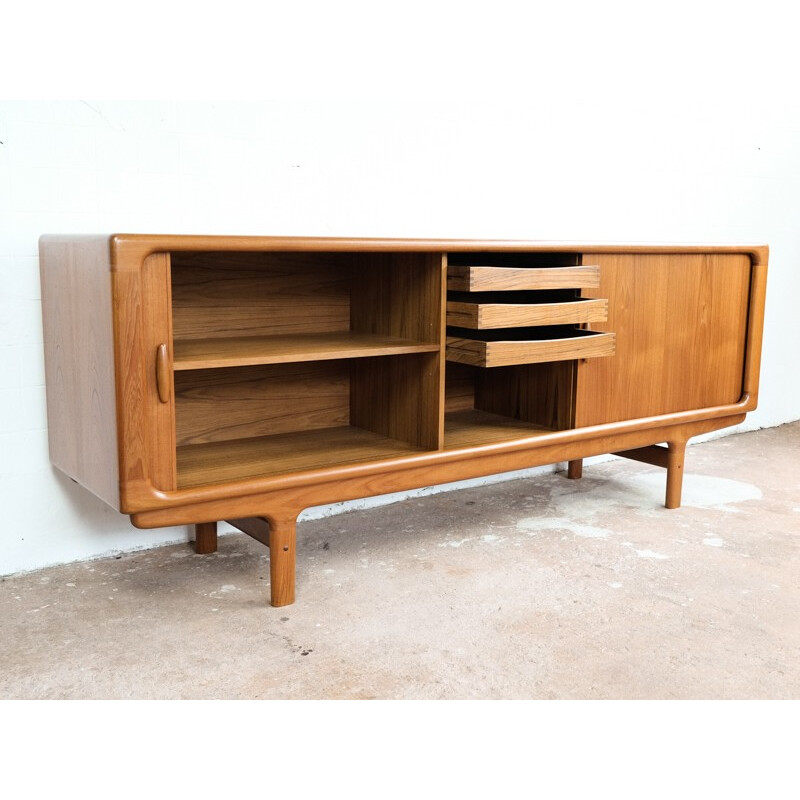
(502, 348)
(503, 279)
(482, 310)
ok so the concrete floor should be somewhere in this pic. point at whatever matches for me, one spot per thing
(543, 588)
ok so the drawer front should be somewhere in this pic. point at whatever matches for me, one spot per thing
(512, 315)
(502, 279)
(503, 353)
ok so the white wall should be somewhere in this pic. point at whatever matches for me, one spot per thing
(646, 139)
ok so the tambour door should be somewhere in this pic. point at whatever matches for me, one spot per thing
(680, 324)
(145, 396)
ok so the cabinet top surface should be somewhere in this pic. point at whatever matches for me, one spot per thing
(138, 245)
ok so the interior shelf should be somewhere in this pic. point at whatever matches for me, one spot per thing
(264, 456)
(241, 351)
(472, 428)
(300, 451)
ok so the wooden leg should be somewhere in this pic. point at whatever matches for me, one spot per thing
(670, 457)
(282, 538)
(205, 538)
(575, 469)
(675, 457)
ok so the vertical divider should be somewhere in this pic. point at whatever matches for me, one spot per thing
(442, 393)
(577, 470)
(399, 294)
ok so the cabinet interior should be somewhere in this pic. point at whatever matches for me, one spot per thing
(504, 403)
(288, 361)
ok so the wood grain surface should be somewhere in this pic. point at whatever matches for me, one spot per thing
(288, 348)
(543, 394)
(79, 362)
(244, 402)
(501, 353)
(680, 323)
(398, 397)
(511, 315)
(230, 294)
(495, 279)
(688, 322)
(397, 294)
(472, 428)
(221, 462)
(156, 332)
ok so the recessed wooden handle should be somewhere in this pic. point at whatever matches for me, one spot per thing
(162, 374)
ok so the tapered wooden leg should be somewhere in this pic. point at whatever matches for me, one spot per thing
(675, 458)
(282, 540)
(205, 538)
(575, 469)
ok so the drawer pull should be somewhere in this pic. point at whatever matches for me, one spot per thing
(163, 378)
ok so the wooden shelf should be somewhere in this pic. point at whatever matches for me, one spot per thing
(264, 456)
(242, 351)
(472, 428)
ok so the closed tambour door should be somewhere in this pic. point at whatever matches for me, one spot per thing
(680, 322)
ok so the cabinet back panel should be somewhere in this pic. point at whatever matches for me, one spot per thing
(398, 397)
(243, 402)
(542, 394)
(256, 294)
(539, 393)
(681, 326)
(459, 387)
(398, 294)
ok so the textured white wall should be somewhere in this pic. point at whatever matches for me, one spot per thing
(642, 138)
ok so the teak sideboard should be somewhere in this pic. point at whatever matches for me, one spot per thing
(192, 379)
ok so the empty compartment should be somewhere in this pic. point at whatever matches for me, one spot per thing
(257, 421)
(486, 406)
(240, 309)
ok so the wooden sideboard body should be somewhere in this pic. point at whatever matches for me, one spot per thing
(192, 379)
